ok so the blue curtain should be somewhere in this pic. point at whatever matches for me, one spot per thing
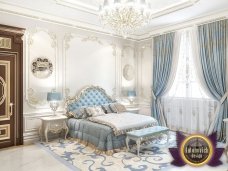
(162, 65)
(212, 46)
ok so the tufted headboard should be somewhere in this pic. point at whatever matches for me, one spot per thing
(89, 96)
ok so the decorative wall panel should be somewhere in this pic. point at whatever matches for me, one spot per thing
(146, 73)
(128, 70)
(4, 90)
(4, 131)
(41, 44)
(88, 61)
(5, 43)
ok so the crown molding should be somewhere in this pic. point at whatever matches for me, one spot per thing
(37, 15)
(174, 8)
(78, 5)
(81, 25)
(95, 10)
(186, 24)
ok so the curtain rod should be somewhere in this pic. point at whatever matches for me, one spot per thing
(211, 21)
(170, 31)
(191, 25)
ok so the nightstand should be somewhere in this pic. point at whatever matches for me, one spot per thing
(54, 124)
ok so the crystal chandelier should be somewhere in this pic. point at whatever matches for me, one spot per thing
(125, 16)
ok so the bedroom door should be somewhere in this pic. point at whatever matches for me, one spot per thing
(11, 87)
(7, 100)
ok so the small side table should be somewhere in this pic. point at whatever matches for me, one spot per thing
(54, 124)
(226, 147)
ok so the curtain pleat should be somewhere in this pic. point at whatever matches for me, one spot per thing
(163, 48)
(212, 39)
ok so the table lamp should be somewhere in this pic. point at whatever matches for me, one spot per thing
(131, 95)
(53, 98)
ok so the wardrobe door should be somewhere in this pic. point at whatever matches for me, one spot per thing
(7, 100)
(11, 86)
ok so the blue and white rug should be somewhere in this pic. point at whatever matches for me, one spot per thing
(154, 156)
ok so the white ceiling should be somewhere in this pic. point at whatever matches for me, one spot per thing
(85, 11)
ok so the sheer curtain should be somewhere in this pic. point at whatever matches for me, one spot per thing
(186, 106)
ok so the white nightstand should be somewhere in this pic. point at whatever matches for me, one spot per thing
(54, 124)
(226, 147)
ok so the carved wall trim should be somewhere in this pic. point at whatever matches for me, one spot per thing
(30, 93)
(68, 37)
(127, 48)
(93, 39)
(66, 40)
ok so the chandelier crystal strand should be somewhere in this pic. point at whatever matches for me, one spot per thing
(125, 16)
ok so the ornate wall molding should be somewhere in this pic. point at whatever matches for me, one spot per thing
(33, 98)
(128, 72)
(30, 95)
(90, 38)
(93, 39)
(66, 45)
(128, 66)
(141, 56)
(67, 38)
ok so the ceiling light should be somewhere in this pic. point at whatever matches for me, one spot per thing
(125, 16)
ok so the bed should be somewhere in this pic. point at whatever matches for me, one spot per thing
(105, 133)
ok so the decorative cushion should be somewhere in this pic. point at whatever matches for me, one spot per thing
(120, 108)
(69, 114)
(94, 111)
(78, 113)
(106, 108)
(113, 108)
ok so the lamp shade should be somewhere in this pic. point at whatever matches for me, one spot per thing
(54, 96)
(131, 93)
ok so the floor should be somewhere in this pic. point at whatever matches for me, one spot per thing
(34, 158)
(29, 158)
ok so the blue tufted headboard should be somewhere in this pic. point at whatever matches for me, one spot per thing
(89, 96)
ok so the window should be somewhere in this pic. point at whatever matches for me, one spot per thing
(186, 83)
(186, 106)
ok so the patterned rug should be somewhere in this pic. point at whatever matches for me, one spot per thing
(154, 156)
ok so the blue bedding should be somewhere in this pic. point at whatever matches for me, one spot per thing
(100, 136)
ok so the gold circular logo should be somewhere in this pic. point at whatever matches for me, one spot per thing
(196, 150)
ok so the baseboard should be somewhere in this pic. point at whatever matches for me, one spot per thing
(31, 141)
(31, 137)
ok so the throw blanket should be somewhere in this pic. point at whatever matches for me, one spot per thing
(124, 122)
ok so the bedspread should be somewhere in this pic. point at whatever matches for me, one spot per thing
(124, 122)
(100, 136)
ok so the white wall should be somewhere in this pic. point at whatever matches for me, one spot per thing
(89, 61)
(145, 58)
(79, 58)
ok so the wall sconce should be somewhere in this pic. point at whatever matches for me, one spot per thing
(53, 98)
(131, 95)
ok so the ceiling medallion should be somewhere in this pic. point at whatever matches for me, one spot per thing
(125, 16)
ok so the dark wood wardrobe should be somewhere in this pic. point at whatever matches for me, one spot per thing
(11, 86)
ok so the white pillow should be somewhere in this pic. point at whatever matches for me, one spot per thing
(94, 111)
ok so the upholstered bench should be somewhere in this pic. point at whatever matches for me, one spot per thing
(139, 135)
